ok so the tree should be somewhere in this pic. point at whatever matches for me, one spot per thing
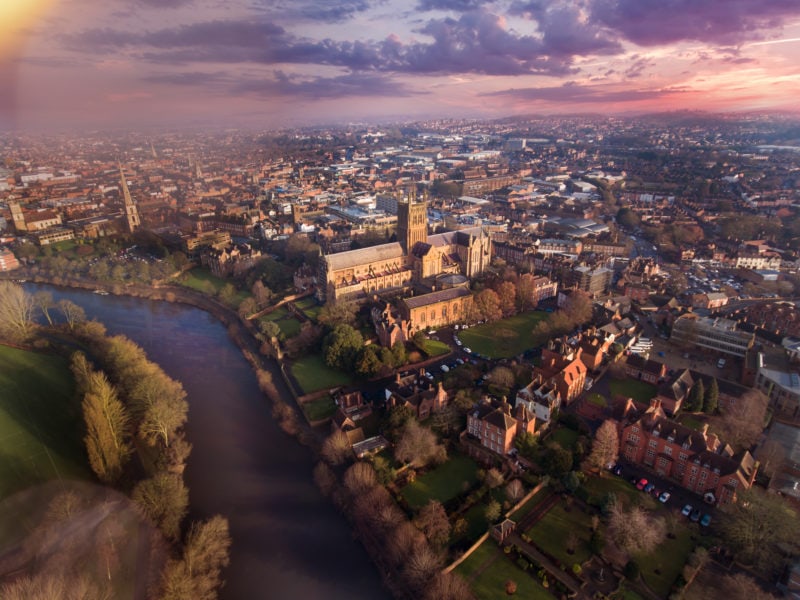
(48, 585)
(527, 444)
(107, 424)
(336, 448)
(16, 311)
(270, 329)
(742, 422)
(628, 219)
(198, 575)
(421, 566)
(340, 347)
(772, 456)
(507, 295)
(227, 293)
(367, 363)
(556, 460)
(247, 307)
(340, 313)
(758, 524)
(502, 377)
(418, 446)
(605, 448)
(164, 499)
(526, 287)
(487, 303)
(73, 314)
(492, 512)
(359, 478)
(696, 394)
(578, 309)
(635, 531)
(493, 478)
(515, 490)
(738, 586)
(448, 586)
(325, 478)
(711, 398)
(399, 354)
(261, 294)
(44, 302)
(433, 522)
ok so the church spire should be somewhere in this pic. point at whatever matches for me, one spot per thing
(153, 150)
(131, 213)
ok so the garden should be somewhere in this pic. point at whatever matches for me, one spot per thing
(640, 391)
(312, 374)
(443, 483)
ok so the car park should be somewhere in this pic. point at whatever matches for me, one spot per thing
(664, 497)
(458, 341)
(444, 368)
(617, 470)
(641, 484)
(460, 361)
(687, 510)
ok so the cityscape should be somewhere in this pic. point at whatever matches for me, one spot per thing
(453, 300)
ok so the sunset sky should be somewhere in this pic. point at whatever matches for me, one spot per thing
(101, 63)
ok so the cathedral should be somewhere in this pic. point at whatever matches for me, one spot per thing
(415, 260)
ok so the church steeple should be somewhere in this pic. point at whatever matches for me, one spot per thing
(131, 213)
(412, 221)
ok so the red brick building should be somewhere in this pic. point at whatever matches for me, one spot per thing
(495, 426)
(695, 460)
(645, 369)
(563, 370)
(416, 392)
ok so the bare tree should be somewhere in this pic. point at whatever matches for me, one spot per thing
(336, 448)
(635, 531)
(16, 311)
(433, 522)
(492, 511)
(493, 478)
(742, 422)
(44, 302)
(422, 566)
(403, 541)
(418, 446)
(605, 448)
(772, 456)
(47, 586)
(164, 499)
(448, 586)
(324, 478)
(73, 314)
(515, 490)
(107, 423)
(359, 478)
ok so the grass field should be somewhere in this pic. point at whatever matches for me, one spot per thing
(203, 281)
(288, 324)
(551, 533)
(598, 487)
(309, 307)
(640, 391)
(434, 348)
(661, 567)
(504, 338)
(487, 570)
(313, 374)
(40, 422)
(442, 483)
(319, 409)
(565, 437)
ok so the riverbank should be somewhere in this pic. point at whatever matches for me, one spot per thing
(284, 410)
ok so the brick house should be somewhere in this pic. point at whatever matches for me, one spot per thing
(673, 392)
(695, 460)
(645, 369)
(416, 392)
(593, 351)
(564, 370)
(495, 427)
(390, 326)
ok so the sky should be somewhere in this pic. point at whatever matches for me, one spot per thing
(272, 63)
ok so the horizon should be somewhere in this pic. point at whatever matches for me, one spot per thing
(275, 65)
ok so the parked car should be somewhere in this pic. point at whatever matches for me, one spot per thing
(617, 470)
(687, 510)
(444, 368)
(641, 483)
(460, 361)
(706, 520)
(721, 363)
(467, 350)
(649, 487)
(664, 497)
(695, 516)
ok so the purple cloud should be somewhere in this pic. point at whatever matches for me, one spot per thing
(654, 22)
(452, 5)
(572, 92)
(314, 10)
(325, 88)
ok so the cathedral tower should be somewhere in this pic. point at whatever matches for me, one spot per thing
(16, 215)
(412, 221)
(131, 213)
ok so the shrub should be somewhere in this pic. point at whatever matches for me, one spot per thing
(576, 568)
(523, 564)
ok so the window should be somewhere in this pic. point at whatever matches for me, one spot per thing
(634, 439)
(668, 450)
(683, 456)
(652, 443)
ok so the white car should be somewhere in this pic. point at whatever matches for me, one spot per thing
(458, 342)
(444, 368)
(467, 350)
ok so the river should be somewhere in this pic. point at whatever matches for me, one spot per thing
(288, 541)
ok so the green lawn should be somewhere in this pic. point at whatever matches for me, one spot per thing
(550, 533)
(598, 487)
(434, 348)
(597, 400)
(442, 483)
(504, 338)
(309, 307)
(490, 583)
(287, 322)
(40, 422)
(532, 503)
(202, 280)
(313, 374)
(565, 437)
(317, 410)
(640, 391)
(691, 421)
(668, 559)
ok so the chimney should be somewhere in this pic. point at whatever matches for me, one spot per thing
(655, 403)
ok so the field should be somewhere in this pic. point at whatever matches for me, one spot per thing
(39, 421)
(640, 391)
(203, 281)
(313, 374)
(442, 483)
(598, 487)
(434, 348)
(504, 338)
(532, 503)
(661, 567)
(319, 409)
(288, 324)
(487, 570)
(565, 437)
(552, 532)
(309, 307)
